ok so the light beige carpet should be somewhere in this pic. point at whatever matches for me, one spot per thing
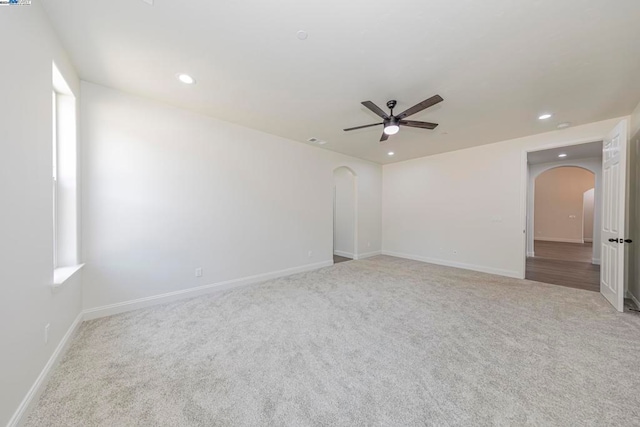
(382, 341)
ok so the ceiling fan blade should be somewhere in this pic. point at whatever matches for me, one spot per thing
(421, 106)
(384, 137)
(373, 107)
(362, 127)
(421, 125)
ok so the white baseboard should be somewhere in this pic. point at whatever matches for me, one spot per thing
(369, 254)
(38, 386)
(121, 307)
(588, 240)
(595, 261)
(559, 239)
(344, 254)
(531, 254)
(482, 269)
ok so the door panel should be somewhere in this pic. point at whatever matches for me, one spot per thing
(614, 158)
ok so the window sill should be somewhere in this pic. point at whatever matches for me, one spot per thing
(62, 274)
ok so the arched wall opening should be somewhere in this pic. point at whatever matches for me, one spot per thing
(345, 213)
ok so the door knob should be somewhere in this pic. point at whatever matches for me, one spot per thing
(613, 240)
(628, 241)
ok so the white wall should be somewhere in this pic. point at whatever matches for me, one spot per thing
(344, 228)
(470, 201)
(28, 302)
(588, 212)
(166, 191)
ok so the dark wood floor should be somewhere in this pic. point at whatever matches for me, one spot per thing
(582, 252)
(564, 264)
(337, 259)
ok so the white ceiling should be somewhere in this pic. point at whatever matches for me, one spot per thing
(498, 64)
(592, 150)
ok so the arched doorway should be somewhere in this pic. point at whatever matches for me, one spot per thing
(344, 214)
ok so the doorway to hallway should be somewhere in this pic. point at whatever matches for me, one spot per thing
(563, 216)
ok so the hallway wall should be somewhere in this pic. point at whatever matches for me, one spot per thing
(588, 207)
(558, 201)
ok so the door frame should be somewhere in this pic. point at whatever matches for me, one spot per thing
(524, 187)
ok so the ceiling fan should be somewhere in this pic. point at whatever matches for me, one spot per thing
(392, 123)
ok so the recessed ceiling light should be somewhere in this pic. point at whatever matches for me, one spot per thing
(562, 155)
(302, 35)
(186, 78)
(545, 116)
(564, 125)
(391, 153)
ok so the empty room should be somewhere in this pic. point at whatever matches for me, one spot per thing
(319, 213)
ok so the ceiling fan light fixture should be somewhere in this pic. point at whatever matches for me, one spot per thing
(391, 129)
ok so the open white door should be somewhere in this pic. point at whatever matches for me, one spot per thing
(614, 168)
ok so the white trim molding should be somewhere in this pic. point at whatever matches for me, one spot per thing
(595, 261)
(38, 386)
(482, 269)
(121, 307)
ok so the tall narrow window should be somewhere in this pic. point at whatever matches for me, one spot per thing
(66, 260)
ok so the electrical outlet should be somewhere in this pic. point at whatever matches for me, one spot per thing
(198, 272)
(368, 244)
(46, 332)
(310, 254)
